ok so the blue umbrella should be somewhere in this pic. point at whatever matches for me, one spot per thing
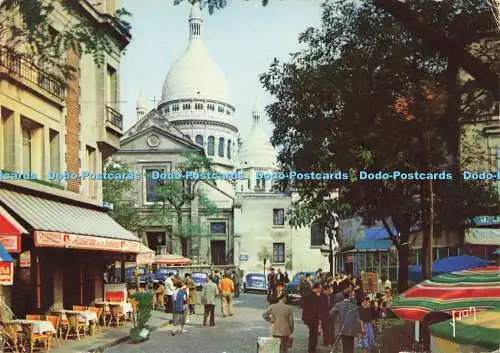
(449, 264)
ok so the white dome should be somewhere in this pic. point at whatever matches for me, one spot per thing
(257, 151)
(195, 74)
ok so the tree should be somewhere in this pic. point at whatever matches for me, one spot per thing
(25, 30)
(363, 96)
(116, 192)
(173, 196)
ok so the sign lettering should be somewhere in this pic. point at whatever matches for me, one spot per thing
(6, 273)
(11, 243)
(459, 315)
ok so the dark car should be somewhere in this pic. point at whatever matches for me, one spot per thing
(144, 276)
(161, 273)
(255, 282)
(292, 289)
(199, 278)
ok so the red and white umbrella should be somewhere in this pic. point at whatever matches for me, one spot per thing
(171, 259)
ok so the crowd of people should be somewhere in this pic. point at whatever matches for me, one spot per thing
(334, 307)
(178, 296)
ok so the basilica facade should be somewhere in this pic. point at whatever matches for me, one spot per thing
(196, 115)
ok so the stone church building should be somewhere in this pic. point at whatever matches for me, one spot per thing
(196, 115)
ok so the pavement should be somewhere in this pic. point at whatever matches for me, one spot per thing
(235, 334)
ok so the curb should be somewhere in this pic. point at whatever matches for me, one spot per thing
(100, 348)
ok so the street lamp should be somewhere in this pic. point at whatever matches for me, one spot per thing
(332, 228)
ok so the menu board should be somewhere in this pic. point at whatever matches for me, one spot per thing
(370, 282)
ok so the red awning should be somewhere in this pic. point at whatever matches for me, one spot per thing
(171, 260)
(10, 232)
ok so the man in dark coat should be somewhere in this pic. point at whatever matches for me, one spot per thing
(327, 303)
(312, 314)
(272, 284)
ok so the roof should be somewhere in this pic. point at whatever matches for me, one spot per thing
(196, 74)
(373, 244)
(44, 214)
(479, 329)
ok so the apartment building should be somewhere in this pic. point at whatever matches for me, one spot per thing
(60, 236)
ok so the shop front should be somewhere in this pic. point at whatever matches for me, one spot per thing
(66, 248)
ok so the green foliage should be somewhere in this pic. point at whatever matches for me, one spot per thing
(26, 29)
(117, 192)
(143, 315)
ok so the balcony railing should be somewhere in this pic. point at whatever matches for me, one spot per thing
(113, 117)
(21, 67)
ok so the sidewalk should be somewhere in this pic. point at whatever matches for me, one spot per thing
(110, 336)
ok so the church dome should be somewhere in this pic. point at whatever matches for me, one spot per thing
(196, 75)
(257, 151)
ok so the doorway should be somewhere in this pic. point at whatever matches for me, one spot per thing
(218, 251)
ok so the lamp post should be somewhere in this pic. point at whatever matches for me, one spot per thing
(332, 228)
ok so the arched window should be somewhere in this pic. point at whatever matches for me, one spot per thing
(198, 106)
(187, 137)
(221, 109)
(186, 106)
(317, 233)
(221, 147)
(175, 107)
(210, 106)
(211, 146)
(228, 149)
(199, 140)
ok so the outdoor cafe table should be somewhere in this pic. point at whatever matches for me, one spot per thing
(39, 326)
(125, 307)
(87, 316)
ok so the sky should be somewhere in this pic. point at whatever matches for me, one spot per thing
(243, 38)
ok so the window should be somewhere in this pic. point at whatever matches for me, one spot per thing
(7, 140)
(278, 217)
(175, 107)
(317, 233)
(91, 168)
(199, 140)
(278, 253)
(198, 106)
(221, 147)
(211, 146)
(54, 151)
(112, 83)
(228, 112)
(186, 106)
(211, 107)
(248, 183)
(152, 185)
(221, 109)
(167, 109)
(27, 147)
(241, 188)
(187, 137)
(218, 227)
(228, 149)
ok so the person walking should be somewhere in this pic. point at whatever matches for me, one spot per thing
(281, 317)
(326, 323)
(188, 281)
(209, 294)
(178, 309)
(311, 315)
(159, 297)
(350, 324)
(271, 286)
(237, 284)
(169, 291)
(226, 289)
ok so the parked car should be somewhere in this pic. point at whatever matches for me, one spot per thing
(144, 275)
(255, 282)
(199, 278)
(292, 289)
(161, 273)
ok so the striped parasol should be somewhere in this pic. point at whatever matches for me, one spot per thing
(171, 259)
(479, 288)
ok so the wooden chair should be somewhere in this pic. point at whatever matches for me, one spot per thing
(13, 340)
(33, 317)
(116, 315)
(95, 324)
(63, 324)
(75, 326)
(105, 314)
(79, 308)
(35, 338)
(54, 319)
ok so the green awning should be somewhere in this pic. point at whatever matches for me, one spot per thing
(482, 236)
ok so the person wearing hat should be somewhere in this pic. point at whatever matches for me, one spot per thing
(312, 314)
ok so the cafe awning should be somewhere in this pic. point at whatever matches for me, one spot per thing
(145, 256)
(10, 232)
(171, 260)
(6, 268)
(57, 224)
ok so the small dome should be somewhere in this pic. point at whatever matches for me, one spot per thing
(196, 74)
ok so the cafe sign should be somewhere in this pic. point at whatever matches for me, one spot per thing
(11, 243)
(85, 242)
(6, 273)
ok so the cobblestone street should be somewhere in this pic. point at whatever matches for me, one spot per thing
(237, 334)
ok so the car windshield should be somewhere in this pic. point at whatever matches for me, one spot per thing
(255, 276)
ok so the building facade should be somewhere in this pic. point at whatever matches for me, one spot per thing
(196, 114)
(54, 226)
